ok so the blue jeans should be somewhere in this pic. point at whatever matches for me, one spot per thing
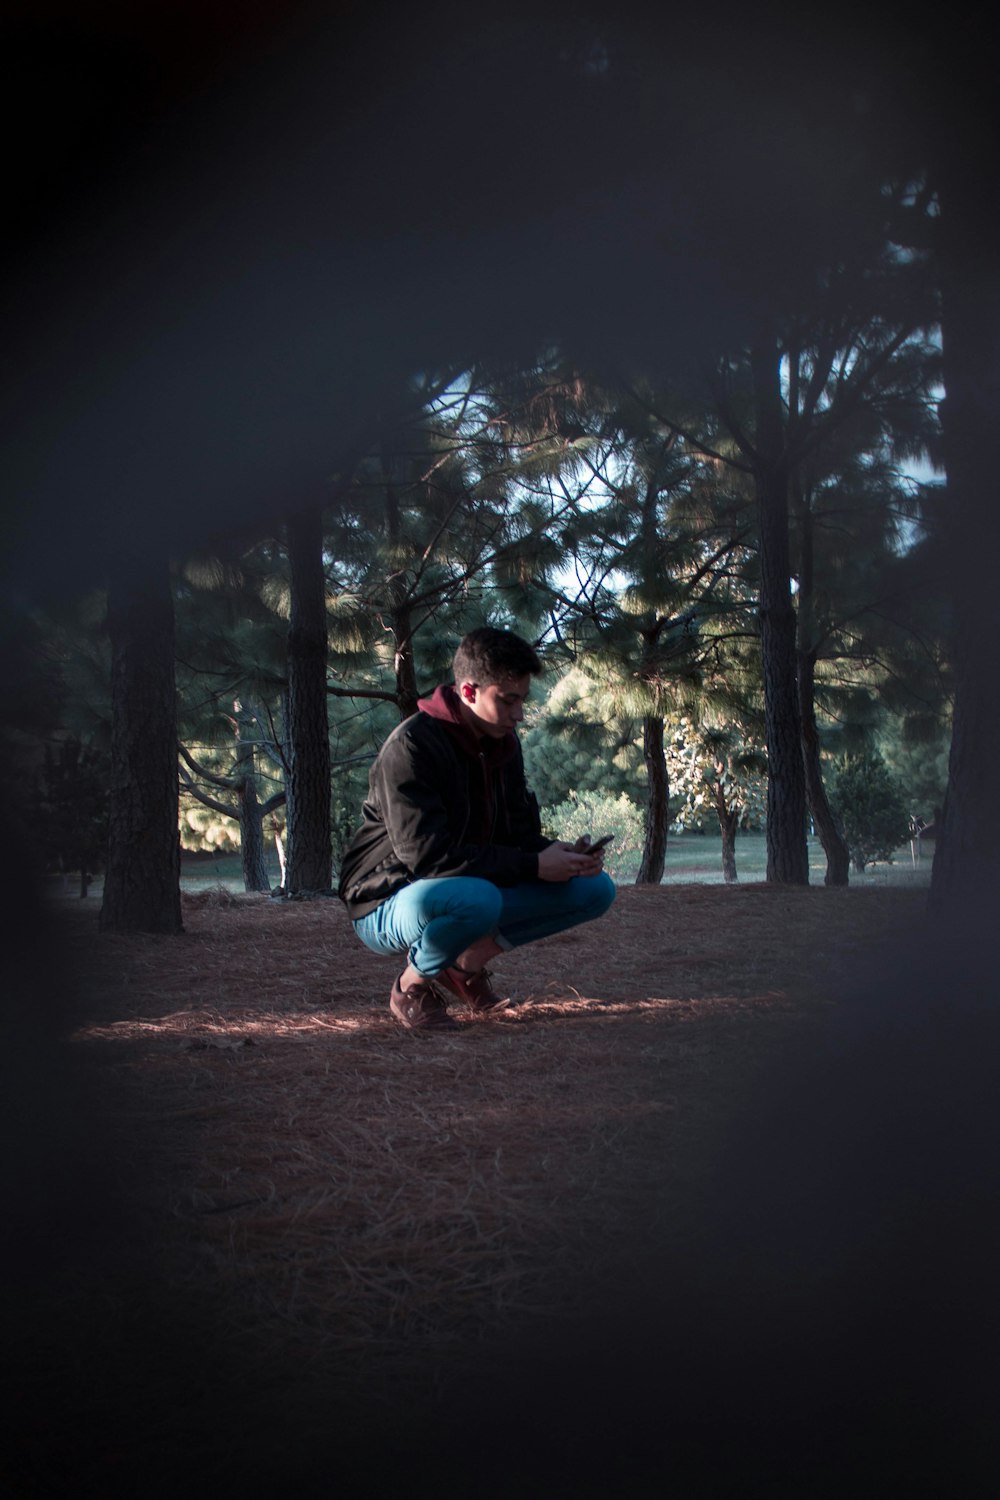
(433, 921)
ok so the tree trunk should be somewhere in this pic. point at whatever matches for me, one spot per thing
(255, 877)
(251, 814)
(142, 878)
(654, 850)
(289, 791)
(404, 665)
(787, 850)
(279, 848)
(729, 819)
(838, 859)
(965, 884)
(407, 693)
(729, 874)
(310, 853)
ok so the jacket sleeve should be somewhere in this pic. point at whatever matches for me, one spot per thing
(422, 798)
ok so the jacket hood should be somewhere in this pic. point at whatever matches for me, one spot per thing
(444, 704)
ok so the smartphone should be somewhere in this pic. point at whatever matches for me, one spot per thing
(599, 844)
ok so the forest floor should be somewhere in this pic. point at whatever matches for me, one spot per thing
(278, 1241)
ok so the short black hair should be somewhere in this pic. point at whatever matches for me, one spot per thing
(488, 655)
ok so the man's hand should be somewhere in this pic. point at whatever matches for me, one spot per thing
(561, 861)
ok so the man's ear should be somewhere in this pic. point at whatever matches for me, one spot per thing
(468, 691)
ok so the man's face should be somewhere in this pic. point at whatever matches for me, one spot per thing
(496, 709)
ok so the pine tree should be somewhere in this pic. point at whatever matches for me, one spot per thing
(661, 583)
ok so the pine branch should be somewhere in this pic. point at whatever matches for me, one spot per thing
(379, 695)
(203, 797)
(226, 783)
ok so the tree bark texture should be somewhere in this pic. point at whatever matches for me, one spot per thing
(965, 883)
(142, 879)
(279, 847)
(729, 819)
(286, 751)
(407, 693)
(838, 859)
(255, 876)
(787, 849)
(251, 813)
(310, 854)
(399, 592)
(654, 849)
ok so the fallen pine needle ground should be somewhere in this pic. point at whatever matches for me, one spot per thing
(278, 1188)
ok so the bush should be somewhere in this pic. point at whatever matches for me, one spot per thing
(872, 808)
(597, 813)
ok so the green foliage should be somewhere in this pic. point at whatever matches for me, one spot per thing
(577, 748)
(358, 728)
(573, 745)
(448, 523)
(916, 752)
(709, 764)
(615, 527)
(598, 813)
(202, 829)
(872, 808)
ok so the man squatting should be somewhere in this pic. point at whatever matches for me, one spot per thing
(449, 865)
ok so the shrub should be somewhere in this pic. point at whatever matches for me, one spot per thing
(871, 806)
(598, 813)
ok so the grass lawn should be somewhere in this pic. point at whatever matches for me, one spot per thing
(691, 859)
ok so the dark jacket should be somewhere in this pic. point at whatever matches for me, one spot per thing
(441, 801)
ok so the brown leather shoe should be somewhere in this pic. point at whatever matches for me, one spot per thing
(473, 988)
(420, 1008)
